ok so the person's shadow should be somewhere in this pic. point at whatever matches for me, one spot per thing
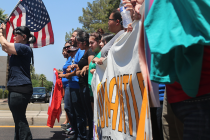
(56, 136)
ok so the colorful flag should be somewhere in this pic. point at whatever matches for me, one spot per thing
(33, 14)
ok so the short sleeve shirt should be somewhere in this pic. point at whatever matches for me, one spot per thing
(19, 71)
(84, 62)
(65, 81)
(73, 81)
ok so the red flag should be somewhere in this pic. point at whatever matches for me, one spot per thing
(54, 109)
(34, 15)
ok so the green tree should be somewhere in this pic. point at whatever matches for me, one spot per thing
(39, 80)
(42, 80)
(32, 72)
(97, 13)
(35, 83)
(2, 16)
(49, 85)
(1, 93)
(6, 93)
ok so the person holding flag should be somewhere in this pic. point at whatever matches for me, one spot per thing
(19, 80)
(28, 26)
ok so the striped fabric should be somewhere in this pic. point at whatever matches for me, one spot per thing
(194, 114)
(33, 14)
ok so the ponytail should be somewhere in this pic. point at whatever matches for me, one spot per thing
(32, 39)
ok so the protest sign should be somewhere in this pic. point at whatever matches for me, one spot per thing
(121, 105)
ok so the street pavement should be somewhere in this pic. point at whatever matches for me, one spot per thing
(36, 115)
(38, 133)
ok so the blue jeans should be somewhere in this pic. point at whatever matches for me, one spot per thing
(77, 114)
(85, 97)
(18, 103)
(195, 115)
(67, 101)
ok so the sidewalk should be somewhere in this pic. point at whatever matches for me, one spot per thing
(3, 100)
(33, 117)
(36, 114)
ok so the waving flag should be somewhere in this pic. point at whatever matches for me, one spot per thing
(33, 14)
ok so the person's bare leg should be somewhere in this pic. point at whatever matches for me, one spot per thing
(67, 120)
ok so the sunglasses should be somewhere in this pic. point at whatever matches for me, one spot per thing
(112, 19)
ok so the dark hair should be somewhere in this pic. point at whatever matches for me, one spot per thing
(78, 30)
(24, 30)
(117, 15)
(63, 49)
(97, 36)
(100, 31)
(107, 37)
(83, 36)
(69, 41)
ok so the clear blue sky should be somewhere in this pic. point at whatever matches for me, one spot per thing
(64, 16)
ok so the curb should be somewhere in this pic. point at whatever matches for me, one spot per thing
(31, 107)
(36, 114)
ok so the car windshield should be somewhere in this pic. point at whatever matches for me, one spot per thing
(38, 90)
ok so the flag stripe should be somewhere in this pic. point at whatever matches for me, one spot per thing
(43, 37)
(20, 16)
(23, 19)
(39, 39)
(14, 25)
(35, 16)
(36, 35)
(10, 28)
(51, 33)
(8, 31)
(47, 35)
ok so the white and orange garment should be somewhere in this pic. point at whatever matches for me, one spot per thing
(54, 109)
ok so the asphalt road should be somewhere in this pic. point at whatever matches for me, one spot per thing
(38, 133)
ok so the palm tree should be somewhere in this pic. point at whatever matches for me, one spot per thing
(2, 16)
(42, 79)
(32, 72)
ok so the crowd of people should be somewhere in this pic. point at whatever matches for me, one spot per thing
(171, 121)
(83, 51)
(181, 115)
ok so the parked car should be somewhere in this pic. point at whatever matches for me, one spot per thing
(40, 94)
(2, 87)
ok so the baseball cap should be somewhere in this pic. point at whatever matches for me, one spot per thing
(72, 49)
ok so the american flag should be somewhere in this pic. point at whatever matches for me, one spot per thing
(34, 15)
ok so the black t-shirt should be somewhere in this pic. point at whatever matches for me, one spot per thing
(83, 81)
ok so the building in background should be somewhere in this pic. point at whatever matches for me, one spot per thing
(3, 71)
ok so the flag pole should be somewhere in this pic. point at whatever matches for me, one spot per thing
(12, 12)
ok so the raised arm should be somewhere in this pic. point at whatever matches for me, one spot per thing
(6, 46)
